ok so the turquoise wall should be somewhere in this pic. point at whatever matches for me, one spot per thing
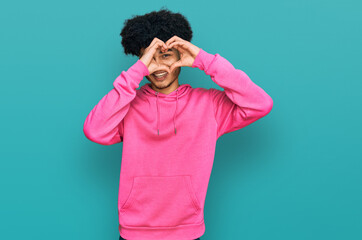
(294, 174)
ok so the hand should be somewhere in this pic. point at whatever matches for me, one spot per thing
(187, 50)
(149, 52)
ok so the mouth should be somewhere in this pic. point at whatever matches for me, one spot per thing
(160, 76)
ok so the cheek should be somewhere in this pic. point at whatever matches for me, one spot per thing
(171, 60)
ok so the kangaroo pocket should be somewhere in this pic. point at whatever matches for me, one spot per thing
(160, 201)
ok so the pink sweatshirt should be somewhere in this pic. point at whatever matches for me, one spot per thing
(169, 144)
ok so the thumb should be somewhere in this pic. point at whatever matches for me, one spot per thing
(175, 65)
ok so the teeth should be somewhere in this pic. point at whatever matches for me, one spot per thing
(160, 75)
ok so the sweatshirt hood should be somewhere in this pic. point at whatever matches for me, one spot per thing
(173, 96)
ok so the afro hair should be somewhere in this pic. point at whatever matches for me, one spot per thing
(139, 31)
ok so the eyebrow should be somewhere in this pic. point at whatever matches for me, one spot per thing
(169, 50)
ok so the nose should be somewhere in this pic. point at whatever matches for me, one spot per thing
(158, 60)
(160, 63)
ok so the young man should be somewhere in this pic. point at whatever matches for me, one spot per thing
(169, 131)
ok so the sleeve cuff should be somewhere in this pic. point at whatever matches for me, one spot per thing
(135, 74)
(203, 60)
(140, 67)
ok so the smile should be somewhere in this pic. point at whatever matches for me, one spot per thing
(161, 76)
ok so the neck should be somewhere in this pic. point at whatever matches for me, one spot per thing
(166, 89)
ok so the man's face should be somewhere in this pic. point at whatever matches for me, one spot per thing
(164, 60)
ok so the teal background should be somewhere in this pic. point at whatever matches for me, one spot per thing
(294, 174)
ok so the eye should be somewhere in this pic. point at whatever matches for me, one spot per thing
(166, 55)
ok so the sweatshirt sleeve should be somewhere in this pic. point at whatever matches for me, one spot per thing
(241, 103)
(104, 124)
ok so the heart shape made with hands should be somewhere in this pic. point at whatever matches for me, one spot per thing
(187, 50)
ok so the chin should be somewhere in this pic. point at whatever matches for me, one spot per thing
(161, 84)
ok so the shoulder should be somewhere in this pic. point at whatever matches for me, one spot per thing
(209, 92)
(199, 90)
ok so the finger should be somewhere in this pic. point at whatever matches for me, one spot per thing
(170, 40)
(158, 45)
(163, 45)
(154, 65)
(149, 53)
(178, 44)
(153, 42)
(156, 40)
(175, 65)
(174, 38)
(181, 47)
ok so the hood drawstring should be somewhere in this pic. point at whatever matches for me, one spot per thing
(158, 113)
(174, 115)
(181, 91)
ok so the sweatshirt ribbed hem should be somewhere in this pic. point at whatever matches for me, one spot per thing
(182, 232)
